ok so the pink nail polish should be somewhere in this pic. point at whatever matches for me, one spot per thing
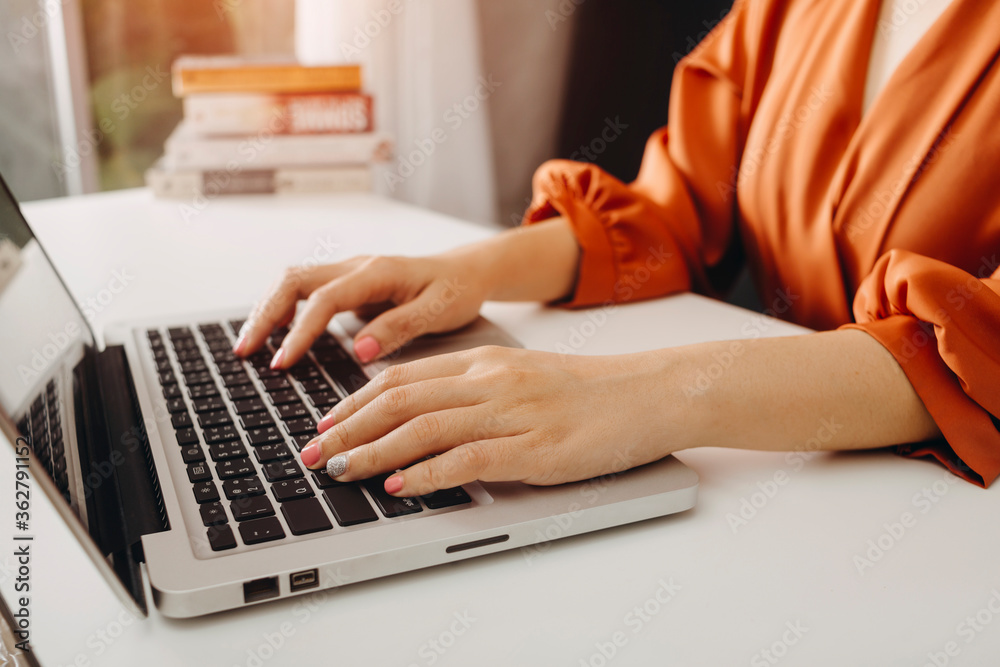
(240, 344)
(393, 484)
(310, 455)
(278, 358)
(367, 349)
(325, 423)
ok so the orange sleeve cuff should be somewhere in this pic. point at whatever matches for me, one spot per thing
(971, 444)
(626, 253)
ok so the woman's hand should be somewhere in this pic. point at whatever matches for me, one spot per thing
(415, 295)
(498, 414)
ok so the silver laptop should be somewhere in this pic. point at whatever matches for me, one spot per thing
(161, 447)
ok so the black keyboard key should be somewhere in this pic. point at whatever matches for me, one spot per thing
(257, 420)
(221, 538)
(213, 514)
(264, 435)
(179, 332)
(256, 531)
(217, 418)
(224, 356)
(283, 396)
(162, 364)
(243, 391)
(299, 426)
(176, 405)
(249, 405)
(324, 398)
(222, 433)
(200, 377)
(349, 505)
(188, 354)
(230, 468)
(172, 390)
(199, 472)
(227, 367)
(205, 492)
(293, 411)
(446, 498)
(209, 404)
(202, 390)
(291, 489)
(304, 371)
(237, 325)
(233, 449)
(324, 481)
(167, 377)
(326, 407)
(245, 486)
(192, 453)
(236, 379)
(302, 440)
(181, 420)
(251, 507)
(186, 436)
(276, 384)
(268, 373)
(315, 385)
(305, 516)
(193, 366)
(390, 506)
(275, 452)
(281, 470)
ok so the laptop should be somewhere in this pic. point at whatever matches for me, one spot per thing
(172, 459)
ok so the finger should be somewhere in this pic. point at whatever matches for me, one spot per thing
(391, 410)
(398, 326)
(425, 434)
(278, 307)
(480, 460)
(430, 368)
(347, 292)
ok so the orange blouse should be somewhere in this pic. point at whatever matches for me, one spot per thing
(889, 222)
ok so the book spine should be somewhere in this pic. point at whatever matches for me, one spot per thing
(176, 184)
(228, 114)
(273, 152)
(266, 79)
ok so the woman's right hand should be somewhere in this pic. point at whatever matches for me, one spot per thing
(417, 295)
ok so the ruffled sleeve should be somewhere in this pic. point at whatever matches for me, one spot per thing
(942, 324)
(672, 229)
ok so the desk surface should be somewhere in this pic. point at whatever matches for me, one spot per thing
(793, 559)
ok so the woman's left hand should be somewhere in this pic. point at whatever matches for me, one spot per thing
(500, 414)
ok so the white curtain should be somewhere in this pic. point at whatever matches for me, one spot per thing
(422, 62)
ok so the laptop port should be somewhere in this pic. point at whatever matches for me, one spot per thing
(300, 581)
(260, 589)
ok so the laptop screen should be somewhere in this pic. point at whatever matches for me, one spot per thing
(40, 325)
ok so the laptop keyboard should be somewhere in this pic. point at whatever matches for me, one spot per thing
(238, 440)
(42, 426)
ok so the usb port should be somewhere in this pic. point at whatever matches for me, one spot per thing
(260, 589)
(300, 581)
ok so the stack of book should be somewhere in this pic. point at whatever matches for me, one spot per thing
(254, 126)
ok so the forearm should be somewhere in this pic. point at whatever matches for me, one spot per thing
(840, 389)
(533, 263)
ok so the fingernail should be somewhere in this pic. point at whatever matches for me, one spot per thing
(367, 349)
(240, 344)
(278, 358)
(337, 466)
(394, 484)
(310, 455)
(325, 423)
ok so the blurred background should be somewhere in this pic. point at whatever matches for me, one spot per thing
(86, 101)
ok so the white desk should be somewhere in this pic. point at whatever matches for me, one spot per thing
(740, 592)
